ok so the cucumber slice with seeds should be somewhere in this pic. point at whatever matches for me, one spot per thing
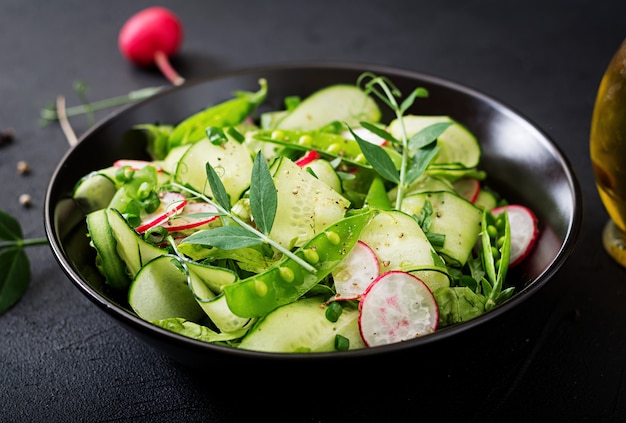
(457, 144)
(341, 102)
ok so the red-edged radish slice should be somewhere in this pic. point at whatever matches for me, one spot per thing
(467, 188)
(524, 230)
(310, 156)
(366, 135)
(171, 203)
(355, 272)
(186, 219)
(396, 307)
(135, 164)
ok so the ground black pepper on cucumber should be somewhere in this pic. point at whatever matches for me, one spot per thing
(313, 228)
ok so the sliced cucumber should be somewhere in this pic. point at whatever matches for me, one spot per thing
(231, 160)
(400, 244)
(170, 163)
(486, 200)
(325, 172)
(341, 102)
(453, 216)
(95, 190)
(213, 277)
(131, 247)
(221, 316)
(161, 291)
(457, 144)
(109, 262)
(424, 184)
(302, 326)
(306, 205)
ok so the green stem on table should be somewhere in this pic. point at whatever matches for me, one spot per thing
(50, 113)
(23, 242)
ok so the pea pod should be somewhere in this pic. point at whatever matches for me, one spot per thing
(327, 143)
(229, 113)
(288, 281)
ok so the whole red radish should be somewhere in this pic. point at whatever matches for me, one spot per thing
(151, 37)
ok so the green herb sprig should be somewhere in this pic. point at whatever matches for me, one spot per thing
(263, 205)
(14, 263)
(417, 151)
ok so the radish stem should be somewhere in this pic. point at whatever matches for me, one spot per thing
(65, 124)
(164, 65)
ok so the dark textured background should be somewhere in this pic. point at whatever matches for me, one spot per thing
(561, 357)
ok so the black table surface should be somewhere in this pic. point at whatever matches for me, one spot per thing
(561, 356)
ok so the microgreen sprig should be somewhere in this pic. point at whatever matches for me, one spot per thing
(417, 151)
(263, 204)
(51, 113)
(495, 270)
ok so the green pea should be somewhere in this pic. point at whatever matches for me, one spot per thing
(277, 135)
(305, 140)
(492, 231)
(259, 294)
(334, 149)
(311, 256)
(333, 237)
(286, 274)
(260, 288)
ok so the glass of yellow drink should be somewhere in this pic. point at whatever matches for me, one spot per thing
(608, 152)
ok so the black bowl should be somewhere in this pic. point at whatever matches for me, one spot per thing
(521, 161)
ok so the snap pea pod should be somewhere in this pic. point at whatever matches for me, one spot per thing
(288, 281)
(327, 143)
(228, 113)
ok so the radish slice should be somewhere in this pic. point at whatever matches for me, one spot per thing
(366, 135)
(467, 188)
(135, 164)
(310, 156)
(187, 220)
(355, 272)
(171, 203)
(524, 230)
(396, 307)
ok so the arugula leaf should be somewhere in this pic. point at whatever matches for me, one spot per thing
(263, 196)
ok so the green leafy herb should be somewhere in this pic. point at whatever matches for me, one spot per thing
(14, 263)
(495, 270)
(263, 196)
(222, 204)
(417, 152)
(217, 188)
(378, 158)
(224, 238)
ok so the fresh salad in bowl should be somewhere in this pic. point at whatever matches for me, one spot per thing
(314, 228)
